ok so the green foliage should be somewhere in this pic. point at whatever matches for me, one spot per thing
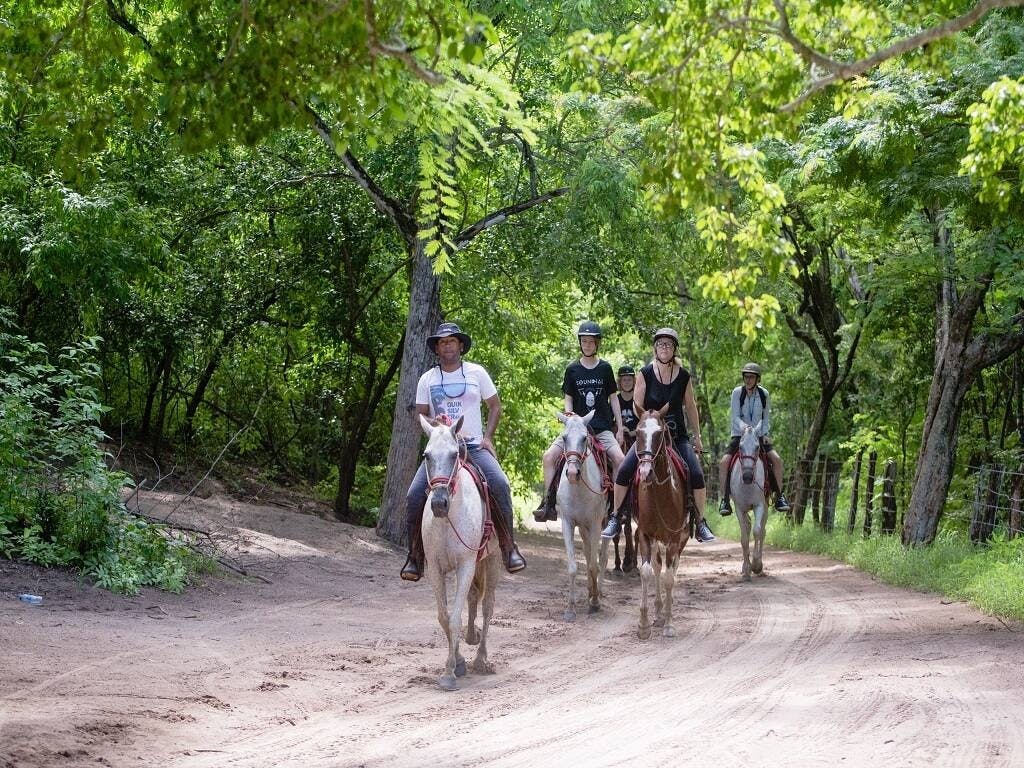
(59, 504)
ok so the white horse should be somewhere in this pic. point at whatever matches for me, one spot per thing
(581, 503)
(747, 488)
(453, 526)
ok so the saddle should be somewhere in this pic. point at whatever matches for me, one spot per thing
(492, 515)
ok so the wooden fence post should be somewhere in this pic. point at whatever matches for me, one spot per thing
(830, 490)
(854, 491)
(889, 497)
(986, 502)
(869, 493)
(1016, 501)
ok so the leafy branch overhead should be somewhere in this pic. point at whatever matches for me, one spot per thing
(727, 77)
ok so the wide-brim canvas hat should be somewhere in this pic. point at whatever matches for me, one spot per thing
(448, 329)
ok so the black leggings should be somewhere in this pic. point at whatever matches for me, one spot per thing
(628, 467)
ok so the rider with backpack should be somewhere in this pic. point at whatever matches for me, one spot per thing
(751, 405)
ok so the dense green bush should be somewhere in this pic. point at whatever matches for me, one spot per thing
(59, 502)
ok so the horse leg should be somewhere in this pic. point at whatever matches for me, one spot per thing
(479, 583)
(603, 564)
(668, 580)
(437, 580)
(591, 540)
(629, 559)
(760, 515)
(456, 666)
(618, 560)
(659, 604)
(646, 573)
(488, 571)
(743, 516)
(570, 553)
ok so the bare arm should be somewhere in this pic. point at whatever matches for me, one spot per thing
(568, 404)
(620, 430)
(692, 416)
(493, 404)
(639, 390)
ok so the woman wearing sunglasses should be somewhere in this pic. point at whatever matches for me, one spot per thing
(664, 381)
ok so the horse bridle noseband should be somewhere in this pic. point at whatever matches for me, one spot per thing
(752, 458)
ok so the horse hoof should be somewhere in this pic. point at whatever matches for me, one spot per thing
(569, 615)
(447, 682)
(483, 667)
(659, 622)
(460, 668)
(643, 633)
(757, 568)
(593, 609)
(746, 577)
(668, 632)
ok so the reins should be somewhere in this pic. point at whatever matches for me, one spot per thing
(450, 483)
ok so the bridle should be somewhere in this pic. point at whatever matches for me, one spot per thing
(748, 460)
(579, 458)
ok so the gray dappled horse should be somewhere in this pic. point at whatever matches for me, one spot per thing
(747, 489)
(453, 527)
(662, 519)
(582, 503)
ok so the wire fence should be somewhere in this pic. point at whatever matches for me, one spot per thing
(864, 494)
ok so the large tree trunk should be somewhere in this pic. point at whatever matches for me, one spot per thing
(962, 359)
(403, 455)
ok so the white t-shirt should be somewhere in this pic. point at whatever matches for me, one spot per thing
(455, 394)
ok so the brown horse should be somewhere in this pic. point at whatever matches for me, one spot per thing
(661, 516)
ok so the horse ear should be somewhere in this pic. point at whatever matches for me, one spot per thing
(588, 417)
(458, 425)
(427, 424)
(664, 409)
(757, 427)
(562, 417)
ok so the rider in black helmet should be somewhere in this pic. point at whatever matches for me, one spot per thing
(664, 381)
(627, 384)
(751, 404)
(588, 385)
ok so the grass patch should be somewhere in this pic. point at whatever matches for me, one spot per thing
(990, 577)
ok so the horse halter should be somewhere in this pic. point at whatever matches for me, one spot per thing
(748, 460)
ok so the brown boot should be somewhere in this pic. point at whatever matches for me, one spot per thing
(413, 568)
(510, 553)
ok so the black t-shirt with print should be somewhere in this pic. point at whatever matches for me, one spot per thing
(590, 389)
(629, 417)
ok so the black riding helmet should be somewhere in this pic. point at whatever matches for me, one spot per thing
(589, 328)
(626, 370)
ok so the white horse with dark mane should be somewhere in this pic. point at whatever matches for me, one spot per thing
(747, 487)
(453, 529)
(582, 504)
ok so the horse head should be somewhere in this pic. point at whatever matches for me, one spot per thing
(575, 437)
(651, 434)
(442, 456)
(750, 451)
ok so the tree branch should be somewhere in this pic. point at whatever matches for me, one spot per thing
(383, 202)
(496, 217)
(839, 71)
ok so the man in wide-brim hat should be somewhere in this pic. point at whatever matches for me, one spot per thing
(455, 389)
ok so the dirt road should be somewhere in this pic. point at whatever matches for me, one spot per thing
(334, 663)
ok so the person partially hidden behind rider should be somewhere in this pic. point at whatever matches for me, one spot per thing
(751, 404)
(662, 382)
(455, 388)
(627, 383)
(588, 385)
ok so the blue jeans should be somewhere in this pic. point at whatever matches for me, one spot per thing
(497, 483)
(628, 467)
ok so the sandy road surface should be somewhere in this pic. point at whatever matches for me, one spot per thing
(334, 663)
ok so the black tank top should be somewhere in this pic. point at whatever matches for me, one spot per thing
(672, 393)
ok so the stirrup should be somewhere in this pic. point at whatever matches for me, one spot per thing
(540, 514)
(514, 561)
(412, 571)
